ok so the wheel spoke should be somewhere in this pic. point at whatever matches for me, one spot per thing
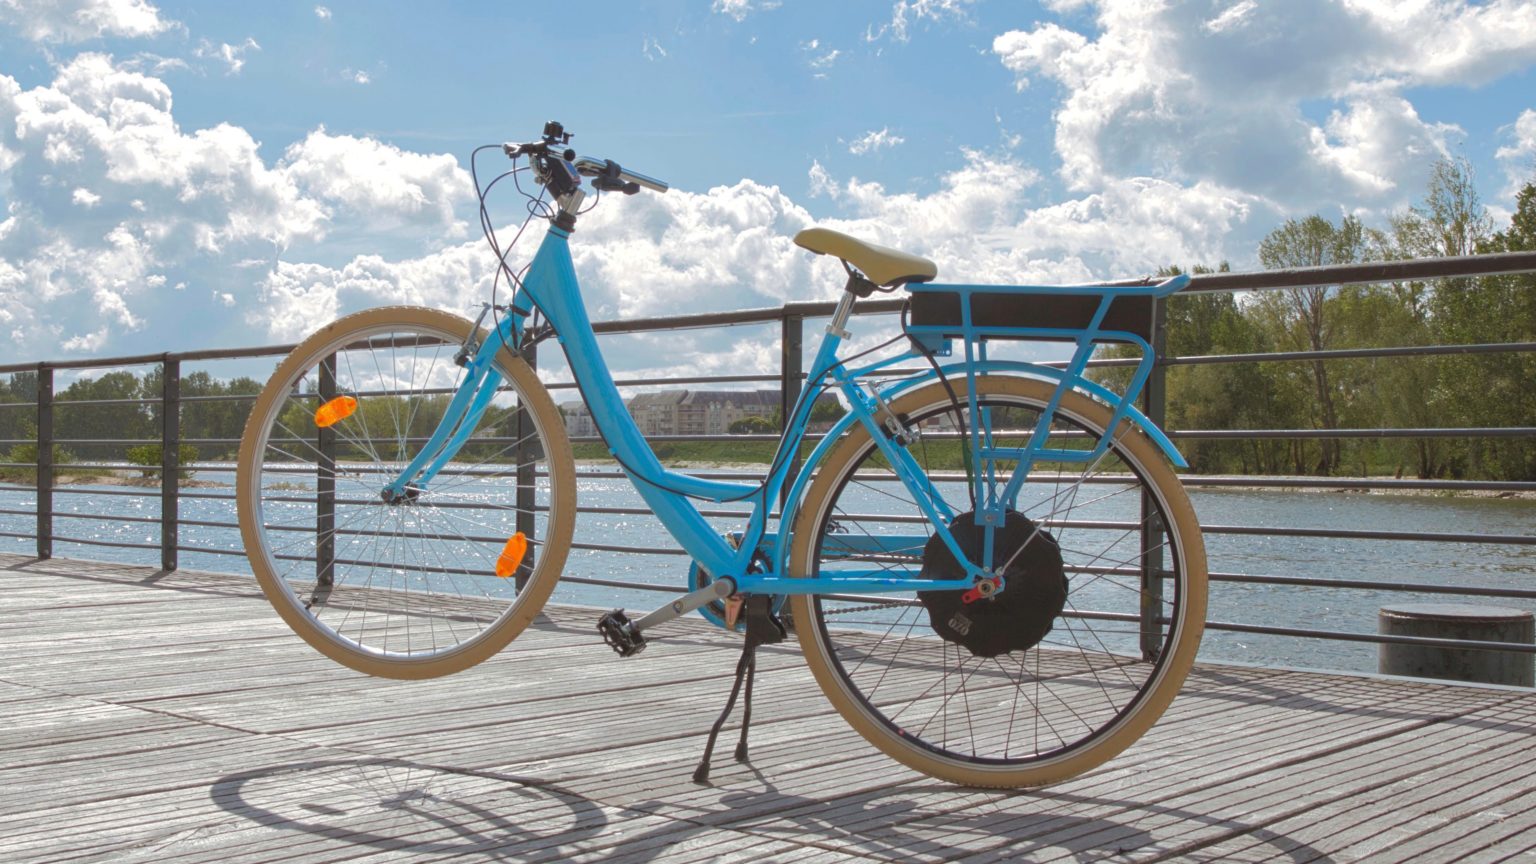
(411, 593)
(1031, 712)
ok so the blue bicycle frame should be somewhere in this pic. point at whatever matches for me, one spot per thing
(550, 284)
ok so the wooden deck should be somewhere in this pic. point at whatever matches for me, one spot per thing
(152, 717)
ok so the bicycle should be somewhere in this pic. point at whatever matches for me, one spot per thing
(991, 567)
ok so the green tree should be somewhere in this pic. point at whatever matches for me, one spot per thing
(1496, 389)
(752, 426)
(1300, 316)
(1451, 221)
(115, 416)
(148, 456)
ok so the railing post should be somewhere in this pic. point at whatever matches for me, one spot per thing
(1154, 398)
(44, 461)
(791, 374)
(170, 461)
(527, 477)
(325, 483)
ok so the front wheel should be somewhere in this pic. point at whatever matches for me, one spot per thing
(997, 692)
(402, 586)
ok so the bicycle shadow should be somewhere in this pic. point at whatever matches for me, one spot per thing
(397, 805)
(430, 811)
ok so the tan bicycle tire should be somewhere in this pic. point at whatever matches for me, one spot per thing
(555, 544)
(1160, 689)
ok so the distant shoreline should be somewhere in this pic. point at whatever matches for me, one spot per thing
(1224, 483)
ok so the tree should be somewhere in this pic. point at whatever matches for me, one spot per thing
(752, 426)
(1301, 315)
(117, 416)
(1449, 221)
(1496, 309)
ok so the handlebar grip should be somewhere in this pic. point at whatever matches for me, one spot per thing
(609, 169)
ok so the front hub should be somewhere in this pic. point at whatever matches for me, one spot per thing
(393, 498)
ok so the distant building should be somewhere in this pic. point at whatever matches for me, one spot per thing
(684, 412)
(578, 420)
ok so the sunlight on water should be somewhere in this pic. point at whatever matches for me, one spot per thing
(1352, 610)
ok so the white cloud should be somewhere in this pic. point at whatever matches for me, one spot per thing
(232, 56)
(819, 60)
(357, 76)
(88, 343)
(79, 20)
(652, 50)
(1233, 16)
(908, 12)
(740, 9)
(1519, 158)
(822, 184)
(323, 13)
(1220, 92)
(871, 142)
(378, 182)
(112, 208)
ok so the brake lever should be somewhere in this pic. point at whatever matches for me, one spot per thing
(613, 184)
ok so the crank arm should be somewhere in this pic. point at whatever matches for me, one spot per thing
(716, 590)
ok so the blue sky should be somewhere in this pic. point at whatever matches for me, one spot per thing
(178, 176)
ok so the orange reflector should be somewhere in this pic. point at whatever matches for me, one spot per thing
(335, 411)
(511, 555)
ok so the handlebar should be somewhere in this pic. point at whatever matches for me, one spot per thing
(588, 166)
(607, 174)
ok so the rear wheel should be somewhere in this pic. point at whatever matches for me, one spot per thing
(403, 588)
(958, 706)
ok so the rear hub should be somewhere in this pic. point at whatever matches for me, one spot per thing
(985, 620)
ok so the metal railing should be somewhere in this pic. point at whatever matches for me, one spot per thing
(790, 320)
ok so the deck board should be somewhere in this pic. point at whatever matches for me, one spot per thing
(170, 717)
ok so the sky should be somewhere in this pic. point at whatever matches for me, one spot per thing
(180, 176)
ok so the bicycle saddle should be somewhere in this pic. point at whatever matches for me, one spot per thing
(883, 266)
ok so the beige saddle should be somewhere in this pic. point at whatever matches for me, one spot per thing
(882, 266)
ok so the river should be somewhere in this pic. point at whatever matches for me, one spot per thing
(1317, 608)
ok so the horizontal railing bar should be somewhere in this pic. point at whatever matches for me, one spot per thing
(646, 511)
(106, 442)
(128, 491)
(220, 397)
(1351, 353)
(702, 379)
(613, 583)
(203, 523)
(1359, 534)
(97, 517)
(1245, 434)
(1376, 638)
(114, 544)
(1359, 483)
(209, 496)
(633, 550)
(211, 550)
(1496, 264)
(1368, 585)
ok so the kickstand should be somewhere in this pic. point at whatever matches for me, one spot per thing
(763, 628)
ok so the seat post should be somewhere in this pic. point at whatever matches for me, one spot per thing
(838, 326)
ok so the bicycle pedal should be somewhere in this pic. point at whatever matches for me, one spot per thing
(621, 634)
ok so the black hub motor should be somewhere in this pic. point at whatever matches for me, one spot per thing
(1015, 619)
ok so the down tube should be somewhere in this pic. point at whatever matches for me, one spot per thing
(551, 281)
